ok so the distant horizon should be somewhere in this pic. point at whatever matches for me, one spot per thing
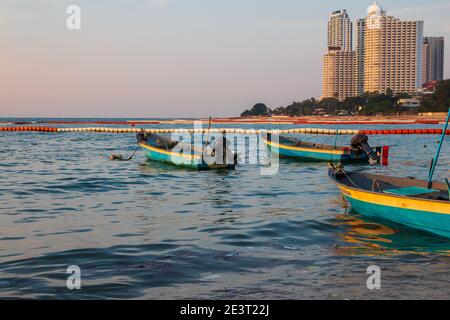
(165, 59)
(110, 118)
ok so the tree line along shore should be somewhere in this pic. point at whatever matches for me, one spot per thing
(369, 104)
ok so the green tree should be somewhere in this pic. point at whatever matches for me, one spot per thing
(259, 109)
(439, 101)
(371, 103)
(389, 92)
(380, 103)
(352, 104)
(331, 105)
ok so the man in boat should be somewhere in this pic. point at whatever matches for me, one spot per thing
(360, 142)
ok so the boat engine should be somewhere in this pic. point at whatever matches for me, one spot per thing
(222, 152)
(361, 142)
(141, 137)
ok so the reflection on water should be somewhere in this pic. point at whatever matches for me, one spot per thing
(371, 238)
(144, 229)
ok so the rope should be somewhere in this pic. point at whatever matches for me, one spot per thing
(120, 157)
(138, 147)
(349, 179)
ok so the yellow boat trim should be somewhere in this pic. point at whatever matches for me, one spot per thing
(170, 153)
(282, 146)
(435, 206)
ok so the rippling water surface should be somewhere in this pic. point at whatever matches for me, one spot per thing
(141, 229)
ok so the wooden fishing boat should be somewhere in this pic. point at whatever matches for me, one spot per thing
(419, 204)
(406, 201)
(315, 152)
(159, 148)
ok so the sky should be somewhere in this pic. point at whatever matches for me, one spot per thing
(173, 58)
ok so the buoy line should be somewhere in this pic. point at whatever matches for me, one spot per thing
(315, 131)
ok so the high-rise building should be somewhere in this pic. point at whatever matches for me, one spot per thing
(339, 63)
(433, 59)
(340, 31)
(339, 74)
(393, 53)
(360, 40)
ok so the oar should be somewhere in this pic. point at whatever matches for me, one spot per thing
(436, 157)
(335, 141)
(209, 130)
(448, 187)
(336, 137)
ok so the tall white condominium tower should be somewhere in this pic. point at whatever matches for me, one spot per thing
(340, 31)
(360, 40)
(393, 53)
(433, 59)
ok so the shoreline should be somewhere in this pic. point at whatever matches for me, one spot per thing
(436, 118)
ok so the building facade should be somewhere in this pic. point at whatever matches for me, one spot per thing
(339, 63)
(340, 33)
(392, 53)
(360, 51)
(339, 74)
(433, 59)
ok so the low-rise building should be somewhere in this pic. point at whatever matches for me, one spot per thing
(409, 103)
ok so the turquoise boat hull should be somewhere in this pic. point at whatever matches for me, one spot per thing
(403, 201)
(316, 154)
(313, 156)
(431, 222)
(187, 161)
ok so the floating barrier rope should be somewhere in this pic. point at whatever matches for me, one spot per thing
(22, 129)
(316, 131)
(235, 121)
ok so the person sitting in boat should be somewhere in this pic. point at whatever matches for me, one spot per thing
(361, 142)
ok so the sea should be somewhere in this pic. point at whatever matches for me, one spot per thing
(75, 225)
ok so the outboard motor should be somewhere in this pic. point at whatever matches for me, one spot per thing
(222, 153)
(360, 141)
(141, 137)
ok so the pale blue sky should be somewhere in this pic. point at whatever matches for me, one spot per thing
(169, 58)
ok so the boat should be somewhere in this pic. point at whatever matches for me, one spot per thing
(419, 204)
(206, 157)
(406, 201)
(359, 151)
